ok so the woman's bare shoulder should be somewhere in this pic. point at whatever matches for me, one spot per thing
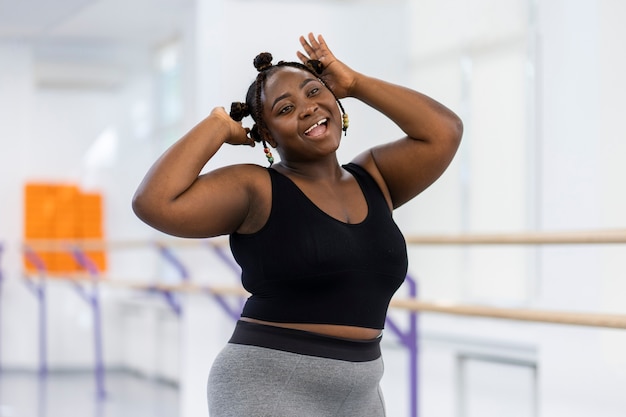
(256, 182)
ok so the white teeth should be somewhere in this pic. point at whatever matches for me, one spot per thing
(315, 125)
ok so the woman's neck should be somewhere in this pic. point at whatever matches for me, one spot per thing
(320, 169)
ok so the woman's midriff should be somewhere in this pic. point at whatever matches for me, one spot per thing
(347, 332)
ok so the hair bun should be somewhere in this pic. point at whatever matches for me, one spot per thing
(263, 61)
(238, 111)
(315, 65)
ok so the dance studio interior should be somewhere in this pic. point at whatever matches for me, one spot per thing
(515, 299)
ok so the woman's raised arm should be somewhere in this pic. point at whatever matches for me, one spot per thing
(174, 198)
(433, 134)
(407, 166)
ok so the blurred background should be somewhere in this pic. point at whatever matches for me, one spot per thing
(92, 91)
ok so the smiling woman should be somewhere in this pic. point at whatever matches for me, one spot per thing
(308, 341)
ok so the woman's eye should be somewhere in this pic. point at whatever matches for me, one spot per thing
(285, 109)
(314, 91)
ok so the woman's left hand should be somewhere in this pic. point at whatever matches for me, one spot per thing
(338, 76)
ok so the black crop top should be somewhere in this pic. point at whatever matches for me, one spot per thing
(305, 266)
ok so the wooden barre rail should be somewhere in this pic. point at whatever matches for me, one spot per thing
(614, 321)
(84, 278)
(514, 238)
(64, 245)
(523, 238)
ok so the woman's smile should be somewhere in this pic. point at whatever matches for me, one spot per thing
(317, 129)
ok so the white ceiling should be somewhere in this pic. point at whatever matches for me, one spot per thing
(135, 21)
(70, 36)
(94, 43)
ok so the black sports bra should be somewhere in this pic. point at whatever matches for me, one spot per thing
(305, 266)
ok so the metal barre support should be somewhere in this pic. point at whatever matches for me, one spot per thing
(409, 340)
(39, 290)
(93, 299)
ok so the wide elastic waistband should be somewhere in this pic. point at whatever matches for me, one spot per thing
(305, 343)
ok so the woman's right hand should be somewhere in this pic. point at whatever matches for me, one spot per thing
(338, 76)
(237, 134)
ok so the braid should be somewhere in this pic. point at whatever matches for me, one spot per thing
(258, 106)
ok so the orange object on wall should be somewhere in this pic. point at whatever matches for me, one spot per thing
(62, 212)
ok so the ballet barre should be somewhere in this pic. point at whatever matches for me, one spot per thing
(615, 321)
(412, 304)
(588, 319)
(523, 238)
(612, 236)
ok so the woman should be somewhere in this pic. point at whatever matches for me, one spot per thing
(318, 248)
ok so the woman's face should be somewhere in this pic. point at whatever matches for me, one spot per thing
(301, 114)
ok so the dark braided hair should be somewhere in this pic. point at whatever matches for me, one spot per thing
(253, 105)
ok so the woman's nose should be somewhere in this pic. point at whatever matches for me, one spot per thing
(308, 110)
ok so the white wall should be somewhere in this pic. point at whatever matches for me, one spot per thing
(17, 97)
(47, 134)
(581, 93)
(557, 170)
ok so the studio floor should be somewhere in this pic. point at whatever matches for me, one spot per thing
(74, 394)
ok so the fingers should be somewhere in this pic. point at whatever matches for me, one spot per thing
(241, 136)
(303, 58)
(315, 48)
(308, 49)
(314, 43)
(322, 42)
(249, 141)
(238, 134)
(246, 139)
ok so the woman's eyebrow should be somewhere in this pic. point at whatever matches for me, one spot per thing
(279, 98)
(305, 82)
(282, 96)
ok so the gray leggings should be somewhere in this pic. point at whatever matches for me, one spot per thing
(253, 381)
